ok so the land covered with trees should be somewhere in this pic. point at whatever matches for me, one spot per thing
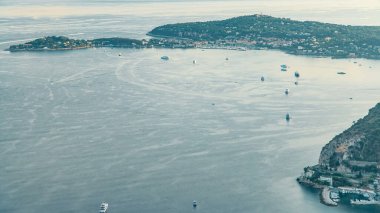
(241, 33)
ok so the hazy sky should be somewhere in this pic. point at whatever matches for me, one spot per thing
(227, 8)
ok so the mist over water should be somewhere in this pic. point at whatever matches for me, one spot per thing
(81, 127)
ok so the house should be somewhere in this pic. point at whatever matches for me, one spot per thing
(328, 180)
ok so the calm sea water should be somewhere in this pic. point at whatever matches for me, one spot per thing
(81, 127)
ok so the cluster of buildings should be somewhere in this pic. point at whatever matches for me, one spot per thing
(357, 194)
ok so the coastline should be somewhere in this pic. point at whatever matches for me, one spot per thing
(325, 197)
(172, 43)
(251, 32)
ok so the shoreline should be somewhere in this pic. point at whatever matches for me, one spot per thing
(325, 197)
(231, 48)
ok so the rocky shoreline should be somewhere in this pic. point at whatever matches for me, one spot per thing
(349, 165)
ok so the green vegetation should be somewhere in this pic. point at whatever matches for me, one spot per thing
(117, 42)
(295, 37)
(368, 147)
(245, 32)
(51, 43)
(63, 43)
(351, 159)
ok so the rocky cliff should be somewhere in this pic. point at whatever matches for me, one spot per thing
(357, 147)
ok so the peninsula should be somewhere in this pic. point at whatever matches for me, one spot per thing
(241, 33)
(349, 165)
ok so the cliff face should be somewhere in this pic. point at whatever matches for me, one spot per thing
(358, 146)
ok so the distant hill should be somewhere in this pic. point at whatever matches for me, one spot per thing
(240, 33)
(295, 37)
(357, 147)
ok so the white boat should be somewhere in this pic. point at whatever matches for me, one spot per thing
(364, 202)
(103, 207)
(194, 61)
(195, 204)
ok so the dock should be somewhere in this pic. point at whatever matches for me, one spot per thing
(325, 197)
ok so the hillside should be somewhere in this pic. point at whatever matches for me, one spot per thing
(356, 148)
(295, 37)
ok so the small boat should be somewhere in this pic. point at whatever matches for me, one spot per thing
(286, 91)
(287, 117)
(119, 54)
(195, 204)
(165, 58)
(341, 73)
(297, 74)
(262, 78)
(103, 207)
(227, 59)
(284, 69)
(194, 61)
(296, 83)
(283, 66)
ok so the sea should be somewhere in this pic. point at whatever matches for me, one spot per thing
(145, 135)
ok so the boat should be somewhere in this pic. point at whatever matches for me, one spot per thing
(296, 83)
(286, 91)
(283, 66)
(287, 117)
(119, 54)
(195, 204)
(262, 78)
(341, 73)
(194, 61)
(227, 59)
(364, 202)
(284, 69)
(296, 74)
(103, 207)
(165, 58)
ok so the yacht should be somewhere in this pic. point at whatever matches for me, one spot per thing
(103, 207)
(165, 58)
(287, 117)
(195, 204)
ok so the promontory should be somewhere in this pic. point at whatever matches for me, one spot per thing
(349, 165)
(240, 33)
